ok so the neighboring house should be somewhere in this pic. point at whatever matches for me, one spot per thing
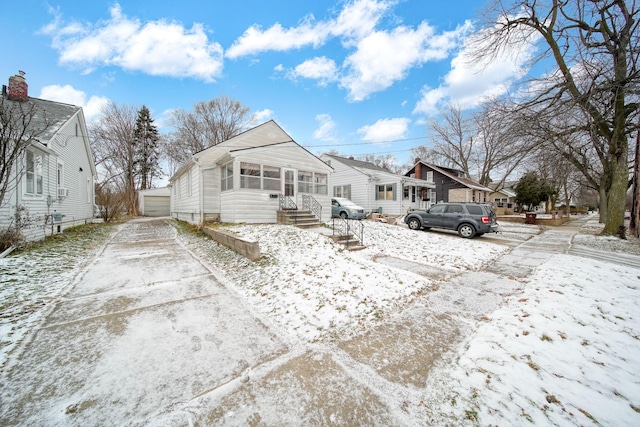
(54, 181)
(248, 178)
(155, 202)
(373, 187)
(504, 200)
(451, 185)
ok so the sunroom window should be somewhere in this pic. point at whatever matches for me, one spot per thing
(250, 175)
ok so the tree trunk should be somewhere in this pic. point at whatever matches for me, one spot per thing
(617, 195)
(602, 204)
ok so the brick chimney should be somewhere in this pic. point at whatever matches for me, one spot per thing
(18, 88)
(418, 169)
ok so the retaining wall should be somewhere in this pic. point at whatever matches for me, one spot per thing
(244, 247)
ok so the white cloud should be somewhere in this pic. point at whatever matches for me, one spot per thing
(260, 117)
(472, 79)
(356, 19)
(383, 57)
(322, 69)
(69, 95)
(378, 58)
(159, 48)
(385, 130)
(327, 129)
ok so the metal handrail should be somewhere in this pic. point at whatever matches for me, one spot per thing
(348, 227)
(286, 203)
(309, 203)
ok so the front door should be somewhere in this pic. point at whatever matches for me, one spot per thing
(289, 183)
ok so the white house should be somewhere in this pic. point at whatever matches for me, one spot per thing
(54, 181)
(375, 188)
(249, 178)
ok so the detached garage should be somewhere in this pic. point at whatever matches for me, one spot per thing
(154, 202)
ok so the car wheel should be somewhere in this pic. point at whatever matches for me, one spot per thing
(467, 231)
(414, 224)
(343, 215)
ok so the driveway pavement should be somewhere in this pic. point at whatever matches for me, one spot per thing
(137, 333)
(148, 336)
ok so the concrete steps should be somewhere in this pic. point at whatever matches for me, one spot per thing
(301, 219)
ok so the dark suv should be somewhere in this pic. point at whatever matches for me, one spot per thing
(468, 219)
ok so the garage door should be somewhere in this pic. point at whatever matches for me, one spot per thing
(156, 206)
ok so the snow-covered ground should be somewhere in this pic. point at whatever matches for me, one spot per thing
(561, 351)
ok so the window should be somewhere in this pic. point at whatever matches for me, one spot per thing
(305, 182)
(437, 209)
(342, 191)
(33, 173)
(430, 176)
(321, 183)
(226, 177)
(250, 175)
(270, 178)
(59, 176)
(385, 192)
(455, 209)
(475, 209)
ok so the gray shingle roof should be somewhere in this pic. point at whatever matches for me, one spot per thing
(49, 116)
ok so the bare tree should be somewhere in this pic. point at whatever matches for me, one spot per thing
(453, 138)
(480, 144)
(20, 126)
(113, 142)
(209, 123)
(594, 45)
(385, 161)
(431, 155)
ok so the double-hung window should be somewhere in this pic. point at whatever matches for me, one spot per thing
(342, 191)
(385, 192)
(305, 182)
(226, 177)
(320, 183)
(33, 173)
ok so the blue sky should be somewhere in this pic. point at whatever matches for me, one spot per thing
(357, 76)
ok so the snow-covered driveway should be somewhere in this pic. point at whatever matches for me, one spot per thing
(141, 330)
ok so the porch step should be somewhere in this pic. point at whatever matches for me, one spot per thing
(350, 242)
(301, 219)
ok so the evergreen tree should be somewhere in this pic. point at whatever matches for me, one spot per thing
(147, 150)
(531, 190)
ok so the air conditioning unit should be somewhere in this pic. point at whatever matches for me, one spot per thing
(63, 192)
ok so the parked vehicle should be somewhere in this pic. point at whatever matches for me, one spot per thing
(468, 219)
(345, 208)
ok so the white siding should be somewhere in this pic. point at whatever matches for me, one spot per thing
(256, 206)
(77, 174)
(68, 148)
(211, 192)
(361, 193)
(267, 145)
(185, 198)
